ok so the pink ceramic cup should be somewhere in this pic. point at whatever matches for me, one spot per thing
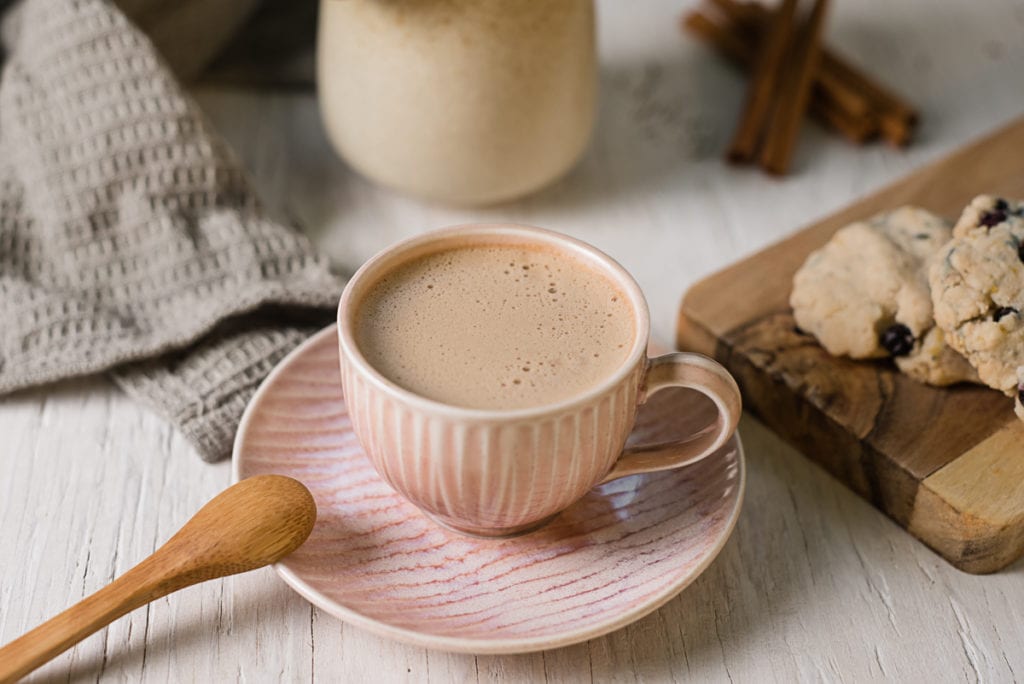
(498, 472)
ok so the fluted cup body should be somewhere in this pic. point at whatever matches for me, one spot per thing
(495, 472)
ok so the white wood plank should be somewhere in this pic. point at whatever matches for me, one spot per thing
(815, 584)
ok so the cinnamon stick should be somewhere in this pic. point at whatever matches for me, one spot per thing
(726, 41)
(897, 118)
(856, 129)
(851, 88)
(771, 54)
(742, 51)
(753, 18)
(795, 92)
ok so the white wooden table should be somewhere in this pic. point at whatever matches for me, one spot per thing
(814, 584)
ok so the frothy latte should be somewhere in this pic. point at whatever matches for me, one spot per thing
(495, 326)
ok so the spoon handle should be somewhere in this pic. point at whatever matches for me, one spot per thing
(145, 582)
(253, 523)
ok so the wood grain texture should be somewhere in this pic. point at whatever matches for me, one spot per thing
(973, 508)
(873, 428)
(814, 584)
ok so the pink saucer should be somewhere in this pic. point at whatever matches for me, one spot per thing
(375, 561)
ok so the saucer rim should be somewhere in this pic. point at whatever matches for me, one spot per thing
(505, 646)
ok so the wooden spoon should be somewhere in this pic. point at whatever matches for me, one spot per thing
(251, 524)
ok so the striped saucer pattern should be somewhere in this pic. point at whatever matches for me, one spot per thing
(375, 561)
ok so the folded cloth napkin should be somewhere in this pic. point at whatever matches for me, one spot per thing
(130, 240)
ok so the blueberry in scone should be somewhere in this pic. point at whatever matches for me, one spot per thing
(987, 211)
(865, 295)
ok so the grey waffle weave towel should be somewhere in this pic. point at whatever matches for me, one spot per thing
(130, 240)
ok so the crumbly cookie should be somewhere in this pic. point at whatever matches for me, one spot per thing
(865, 295)
(977, 283)
(986, 211)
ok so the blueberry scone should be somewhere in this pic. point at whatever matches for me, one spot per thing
(865, 295)
(977, 283)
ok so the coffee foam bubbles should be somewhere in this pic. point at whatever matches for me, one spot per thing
(495, 327)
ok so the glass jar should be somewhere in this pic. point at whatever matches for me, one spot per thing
(461, 101)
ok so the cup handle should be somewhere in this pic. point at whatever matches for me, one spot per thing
(694, 371)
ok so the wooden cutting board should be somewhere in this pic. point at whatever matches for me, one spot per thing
(946, 464)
